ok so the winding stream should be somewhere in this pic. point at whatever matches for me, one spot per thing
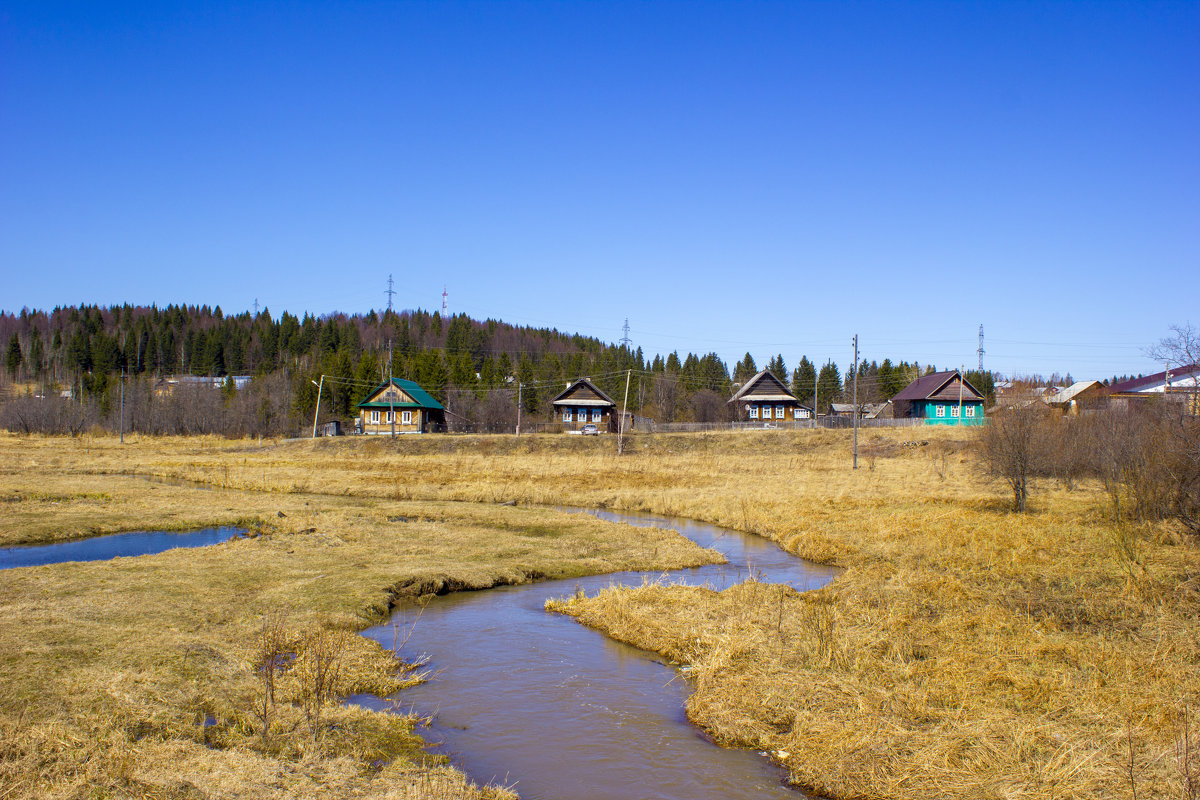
(534, 700)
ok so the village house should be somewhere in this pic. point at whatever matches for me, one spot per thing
(940, 398)
(1179, 384)
(583, 403)
(766, 398)
(404, 402)
(1079, 396)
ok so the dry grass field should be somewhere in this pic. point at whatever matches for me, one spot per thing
(964, 651)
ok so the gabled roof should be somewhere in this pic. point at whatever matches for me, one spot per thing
(1141, 384)
(928, 385)
(1063, 396)
(421, 398)
(781, 391)
(582, 383)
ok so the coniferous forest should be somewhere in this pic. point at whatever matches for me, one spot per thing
(172, 370)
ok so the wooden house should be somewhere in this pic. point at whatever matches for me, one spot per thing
(940, 398)
(583, 403)
(765, 398)
(1079, 396)
(410, 406)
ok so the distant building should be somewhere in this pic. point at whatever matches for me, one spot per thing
(167, 386)
(865, 410)
(1079, 396)
(583, 403)
(766, 398)
(414, 410)
(940, 398)
(1179, 384)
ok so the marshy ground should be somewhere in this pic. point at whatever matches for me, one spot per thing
(963, 651)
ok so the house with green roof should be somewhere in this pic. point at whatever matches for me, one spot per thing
(401, 406)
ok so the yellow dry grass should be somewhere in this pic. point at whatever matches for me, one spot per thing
(138, 677)
(964, 651)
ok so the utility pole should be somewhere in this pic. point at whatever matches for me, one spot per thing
(520, 386)
(320, 387)
(621, 424)
(854, 400)
(960, 385)
(391, 386)
(816, 397)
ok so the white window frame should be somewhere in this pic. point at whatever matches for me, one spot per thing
(566, 415)
(375, 416)
(753, 412)
(597, 414)
(954, 411)
(941, 410)
(778, 412)
(391, 416)
(406, 416)
(970, 411)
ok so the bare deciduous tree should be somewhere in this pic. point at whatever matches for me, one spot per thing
(1014, 446)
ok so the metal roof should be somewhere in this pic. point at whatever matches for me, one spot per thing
(1141, 384)
(930, 384)
(421, 398)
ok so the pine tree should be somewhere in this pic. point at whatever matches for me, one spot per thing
(12, 358)
(804, 380)
(830, 383)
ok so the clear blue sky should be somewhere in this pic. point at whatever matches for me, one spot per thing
(763, 177)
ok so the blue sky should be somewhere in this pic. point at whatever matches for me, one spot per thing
(762, 177)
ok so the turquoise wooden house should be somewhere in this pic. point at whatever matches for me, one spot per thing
(940, 398)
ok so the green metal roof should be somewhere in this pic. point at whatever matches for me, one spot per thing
(422, 397)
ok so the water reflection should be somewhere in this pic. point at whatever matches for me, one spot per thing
(102, 548)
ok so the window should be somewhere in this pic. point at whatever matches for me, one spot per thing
(566, 415)
(597, 414)
(970, 411)
(954, 411)
(374, 417)
(795, 413)
(778, 412)
(406, 417)
(391, 416)
(941, 411)
(753, 412)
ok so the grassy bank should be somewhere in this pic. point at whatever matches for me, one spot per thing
(964, 651)
(142, 677)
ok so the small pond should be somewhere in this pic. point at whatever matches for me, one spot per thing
(102, 548)
(534, 700)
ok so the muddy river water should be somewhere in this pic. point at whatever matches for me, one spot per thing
(533, 700)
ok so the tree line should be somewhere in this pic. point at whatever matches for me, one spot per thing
(89, 353)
